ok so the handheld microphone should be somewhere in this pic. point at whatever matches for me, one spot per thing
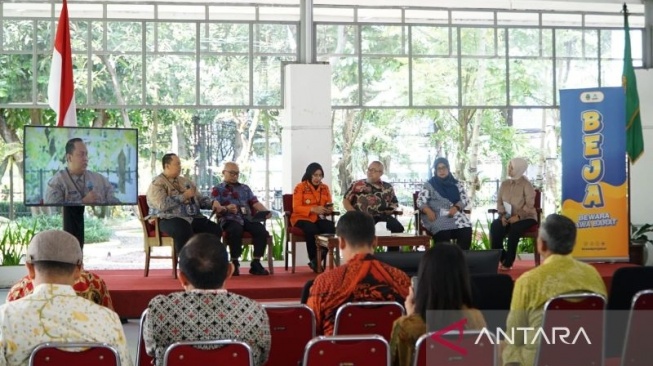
(89, 185)
(192, 199)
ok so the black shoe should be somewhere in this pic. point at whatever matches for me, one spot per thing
(236, 267)
(313, 265)
(257, 268)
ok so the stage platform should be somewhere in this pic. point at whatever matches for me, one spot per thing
(131, 292)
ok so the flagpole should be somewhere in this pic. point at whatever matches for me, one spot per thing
(61, 97)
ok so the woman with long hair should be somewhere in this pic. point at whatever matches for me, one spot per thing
(311, 202)
(442, 296)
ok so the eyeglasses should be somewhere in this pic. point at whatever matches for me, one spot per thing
(442, 168)
(232, 173)
(372, 170)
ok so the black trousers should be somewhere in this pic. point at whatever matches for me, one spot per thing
(181, 230)
(463, 237)
(310, 229)
(392, 224)
(234, 237)
(514, 232)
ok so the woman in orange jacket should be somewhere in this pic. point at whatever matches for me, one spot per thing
(311, 201)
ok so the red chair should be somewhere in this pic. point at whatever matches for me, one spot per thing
(534, 230)
(637, 345)
(469, 352)
(142, 358)
(153, 237)
(292, 326)
(369, 317)
(347, 350)
(293, 234)
(218, 352)
(78, 353)
(575, 313)
(247, 240)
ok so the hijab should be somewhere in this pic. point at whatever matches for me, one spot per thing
(310, 170)
(447, 187)
(519, 166)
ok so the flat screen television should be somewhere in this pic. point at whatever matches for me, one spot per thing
(73, 166)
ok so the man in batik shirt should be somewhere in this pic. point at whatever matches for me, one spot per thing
(205, 311)
(375, 197)
(362, 278)
(240, 204)
(54, 312)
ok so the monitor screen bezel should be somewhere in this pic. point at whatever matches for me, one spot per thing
(24, 163)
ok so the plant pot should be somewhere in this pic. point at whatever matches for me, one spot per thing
(647, 257)
(9, 275)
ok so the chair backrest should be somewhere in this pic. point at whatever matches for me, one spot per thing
(492, 294)
(582, 315)
(637, 350)
(291, 327)
(143, 211)
(343, 350)
(626, 282)
(418, 222)
(470, 348)
(368, 317)
(217, 352)
(287, 202)
(142, 358)
(405, 261)
(78, 353)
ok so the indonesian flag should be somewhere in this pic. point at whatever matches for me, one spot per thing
(61, 90)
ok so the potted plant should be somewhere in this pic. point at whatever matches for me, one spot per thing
(640, 248)
(13, 247)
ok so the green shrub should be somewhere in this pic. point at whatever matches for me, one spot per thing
(13, 245)
(95, 230)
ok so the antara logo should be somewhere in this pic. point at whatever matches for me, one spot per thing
(563, 334)
(556, 334)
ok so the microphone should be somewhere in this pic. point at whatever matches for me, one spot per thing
(192, 199)
(89, 185)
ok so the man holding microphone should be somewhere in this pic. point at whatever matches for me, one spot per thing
(175, 200)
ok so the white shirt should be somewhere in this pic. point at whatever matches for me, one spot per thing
(54, 313)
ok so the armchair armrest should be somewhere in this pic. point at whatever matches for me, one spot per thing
(397, 212)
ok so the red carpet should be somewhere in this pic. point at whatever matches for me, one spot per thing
(131, 292)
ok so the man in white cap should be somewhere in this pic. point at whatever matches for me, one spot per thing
(54, 312)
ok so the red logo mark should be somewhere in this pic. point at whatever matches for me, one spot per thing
(460, 327)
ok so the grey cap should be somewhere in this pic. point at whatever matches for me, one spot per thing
(55, 246)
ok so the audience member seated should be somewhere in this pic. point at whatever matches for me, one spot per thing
(516, 208)
(559, 273)
(89, 286)
(442, 200)
(361, 278)
(238, 201)
(176, 201)
(53, 312)
(205, 310)
(442, 297)
(311, 201)
(376, 197)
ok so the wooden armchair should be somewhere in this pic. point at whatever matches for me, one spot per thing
(153, 237)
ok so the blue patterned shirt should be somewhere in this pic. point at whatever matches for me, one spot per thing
(238, 194)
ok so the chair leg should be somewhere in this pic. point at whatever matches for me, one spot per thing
(285, 254)
(174, 262)
(147, 261)
(270, 255)
(294, 257)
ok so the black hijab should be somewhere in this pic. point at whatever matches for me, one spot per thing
(447, 187)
